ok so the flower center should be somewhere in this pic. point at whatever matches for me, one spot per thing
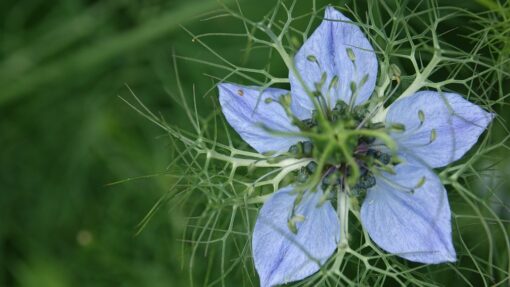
(344, 148)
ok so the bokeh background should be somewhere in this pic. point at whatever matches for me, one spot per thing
(66, 137)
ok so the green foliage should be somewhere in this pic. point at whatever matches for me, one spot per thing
(91, 194)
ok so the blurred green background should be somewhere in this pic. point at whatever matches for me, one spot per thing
(65, 136)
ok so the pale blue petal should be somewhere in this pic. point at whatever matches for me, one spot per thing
(247, 112)
(456, 122)
(408, 217)
(281, 256)
(329, 44)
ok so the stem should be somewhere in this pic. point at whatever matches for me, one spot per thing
(297, 163)
(343, 204)
(421, 77)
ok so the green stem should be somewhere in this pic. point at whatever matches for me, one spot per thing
(343, 203)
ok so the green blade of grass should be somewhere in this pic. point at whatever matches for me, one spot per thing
(100, 52)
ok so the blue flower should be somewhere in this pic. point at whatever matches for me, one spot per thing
(406, 212)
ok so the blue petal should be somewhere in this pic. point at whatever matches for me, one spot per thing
(415, 225)
(329, 44)
(456, 123)
(245, 110)
(281, 256)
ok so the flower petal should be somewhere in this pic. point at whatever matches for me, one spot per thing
(325, 52)
(247, 112)
(413, 225)
(451, 126)
(281, 256)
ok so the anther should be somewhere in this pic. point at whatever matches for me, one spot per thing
(330, 180)
(313, 59)
(302, 175)
(433, 135)
(395, 73)
(363, 80)
(307, 148)
(294, 149)
(285, 100)
(384, 158)
(421, 116)
(350, 54)
(421, 182)
(320, 84)
(301, 149)
(334, 83)
(366, 181)
(292, 226)
(353, 87)
(398, 127)
(309, 123)
(312, 167)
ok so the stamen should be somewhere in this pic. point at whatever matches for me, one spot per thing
(331, 179)
(312, 167)
(309, 123)
(354, 94)
(351, 163)
(285, 100)
(333, 83)
(313, 59)
(351, 55)
(395, 73)
(303, 175)
(363, 80)
(433, 135)
(421, 116)
(353, 87)
(398, 127)
(307, 148)
(366, 181)
(301, 149)
(420, 183)
(292, 223)
(397, 186)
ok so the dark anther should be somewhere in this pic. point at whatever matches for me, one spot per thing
(360, 113)
(294, 149)
(365, 181)
(366, 139)
(305, 172)
(374, 153)
(307, 148)
(362, 170)
(302, 175)
(382, 157)
(357, 191)
(301, 149)
(341, 106)
(309, 123)
(330, 179)
(311, 167)
(385, 158)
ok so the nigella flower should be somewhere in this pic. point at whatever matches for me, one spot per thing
(405, 210)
